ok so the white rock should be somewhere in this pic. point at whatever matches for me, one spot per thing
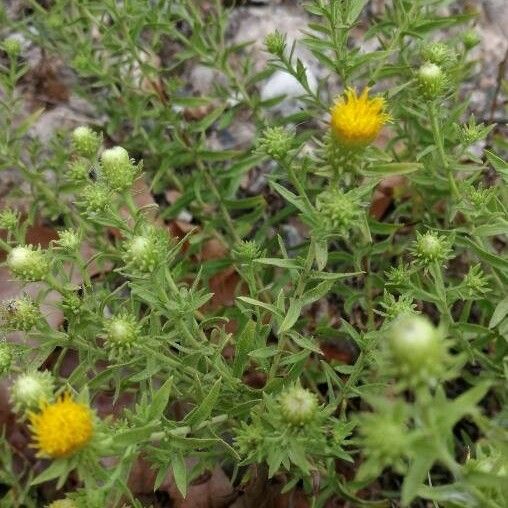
(283, 84)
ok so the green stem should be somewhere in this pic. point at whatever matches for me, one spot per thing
(438, 139)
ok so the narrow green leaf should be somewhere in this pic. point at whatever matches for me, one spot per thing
(203, 411)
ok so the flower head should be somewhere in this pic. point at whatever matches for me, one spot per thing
(117, 169)
(357, 119)
(61, 428)
(275, 142)
(339, 211)
(21, 314)
(432, 80)
(31, 389)
(122, 332)
(9, 219)
(69, 239)
(145, 252)
(298, 405)
(27, 263)
(86, 141)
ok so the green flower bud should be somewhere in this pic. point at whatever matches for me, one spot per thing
(430, 248)
(275, 43)
(9, 219)
(338, 211)
(275, 142)
(480, 197)
(63, 503)
(21, 314)
(472, 132)
(432, 80)
(247, 250)
(475, 283)
(438, 53)
(398, 276)
(69, 240)
(79, 171)
(385, 437)
(470, 39)
(12, 47)
(71, 305)
(28, 264)
(86, 142)
(392, 307)
(121, 332)
(298, 405)
(30, 390)
(96, 198)
(117, 169)
(416, 349)
(145, 252)
(5, 357)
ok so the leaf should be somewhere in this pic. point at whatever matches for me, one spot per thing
(257, 303)
(264, 352)
(317, 292)
(321, 253)
(498, 164)
(355, 9)
(416, 474)
(179, 472)
(160, 400)
(293, 313)
(392, 168)
(244, 344)
(280, 262)
(498, 227)
(57, 469)
(500, 312)
(295, 200)
(133, 436)
(203, 411)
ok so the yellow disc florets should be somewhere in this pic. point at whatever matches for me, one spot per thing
(357, 120)
(61, 428)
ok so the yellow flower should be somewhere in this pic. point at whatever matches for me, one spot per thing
(61, 428)
(357, 120)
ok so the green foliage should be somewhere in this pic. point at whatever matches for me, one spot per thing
(219, 331)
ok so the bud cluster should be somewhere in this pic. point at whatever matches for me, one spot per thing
(432, 80)
(86, 142)
(275, 142)
(430, 248)
(69, 240)
(117, 170)
(20, 314)
(298, 405)
(275, 43)
(9, 219)
(95, 198)
(145, 252)
(475, 283)
(12, 47)
(27, 263)
(416, 349)
(246, 251)
(31, 389)
(393, 307)
(438, 53)
(121, 332)
(338, 210)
